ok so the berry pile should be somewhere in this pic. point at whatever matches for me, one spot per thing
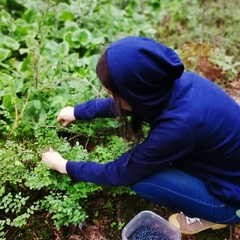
(146, 233)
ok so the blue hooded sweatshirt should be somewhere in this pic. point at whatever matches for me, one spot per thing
(195, 125)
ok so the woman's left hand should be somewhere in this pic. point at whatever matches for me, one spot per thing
(55, 161)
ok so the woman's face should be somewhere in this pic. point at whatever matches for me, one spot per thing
(124, 104)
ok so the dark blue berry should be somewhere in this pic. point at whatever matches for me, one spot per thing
(147, 233)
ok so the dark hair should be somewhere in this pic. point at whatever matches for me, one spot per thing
(104, 76)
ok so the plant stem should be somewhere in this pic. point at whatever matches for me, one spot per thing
(17, 117)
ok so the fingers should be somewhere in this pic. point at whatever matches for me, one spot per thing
(65, 123)
(44, 157)
(44, 154)
(61, 115)
(47, 157)
(50, 149)
(66, 115)
(59, 118)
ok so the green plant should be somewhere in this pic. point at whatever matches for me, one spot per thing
(64, 210)
(225, 62)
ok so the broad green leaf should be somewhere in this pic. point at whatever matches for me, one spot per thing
(67, 15)
(93, 59)
(71, 60)
(31, 43)
(7, 101)
(59, 100)
(11, 43)
(45, 51)
(2, 92)
(98, 40)
(85, 60)
(18, 85)
(50, 47)
(42, 116)
(82, 36)
(23, 50)
(24, 28)
(64, 12)
(6, 66)
(30, 16)
(69, 27)
(82, 72)
(58, 71)
(11, 88)
(64, 48)
(98, 37)
(5, 78)
(68, 38)
(27, 63)
(76, 83)
(8, 42)
(2, 191)
(2, 87)
(5, 19)
(37, 104)
(4, 54)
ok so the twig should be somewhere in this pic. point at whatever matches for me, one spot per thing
(17, 117)
(5, 234)
(65, 129)
(94, 88)
(35, 236)
(99, 93)
(86, 143)
(70, 139)
(36, 68)
(85, 235)
(230, 231)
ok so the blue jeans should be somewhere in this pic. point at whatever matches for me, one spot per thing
(180, 191)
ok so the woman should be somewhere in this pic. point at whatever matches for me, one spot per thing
(190, 159)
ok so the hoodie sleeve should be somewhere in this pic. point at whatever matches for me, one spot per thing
(95, 108)
(169, 142)
(104, 108)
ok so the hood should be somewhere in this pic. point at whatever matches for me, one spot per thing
(144, 72)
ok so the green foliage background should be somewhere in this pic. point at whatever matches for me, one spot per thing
(48, 53)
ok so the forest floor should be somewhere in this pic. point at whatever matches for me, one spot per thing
(107, 216)
(123, 209)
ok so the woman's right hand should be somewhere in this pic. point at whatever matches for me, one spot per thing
(66, 115)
